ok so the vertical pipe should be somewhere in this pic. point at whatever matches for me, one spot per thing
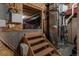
(47, 18)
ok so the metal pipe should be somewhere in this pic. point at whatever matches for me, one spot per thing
(71, 15)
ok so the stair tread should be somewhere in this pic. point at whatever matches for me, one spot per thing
(33, 34)
(54, 54)
(44, 52)
(40, 45)
(36, 40)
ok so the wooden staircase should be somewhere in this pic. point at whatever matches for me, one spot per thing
(39, 45)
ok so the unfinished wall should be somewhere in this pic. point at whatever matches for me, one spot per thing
(72, 30)
(42, 8)
(78, 31)
(13, 38)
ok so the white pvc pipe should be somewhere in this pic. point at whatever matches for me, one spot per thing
(71, 15)
(63, 20)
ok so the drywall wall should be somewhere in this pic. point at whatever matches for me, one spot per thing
(2, 23)
(4, 11)
(17, 18)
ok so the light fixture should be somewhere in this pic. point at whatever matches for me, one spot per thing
(25, 16)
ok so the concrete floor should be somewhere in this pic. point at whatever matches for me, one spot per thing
(67, 49)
